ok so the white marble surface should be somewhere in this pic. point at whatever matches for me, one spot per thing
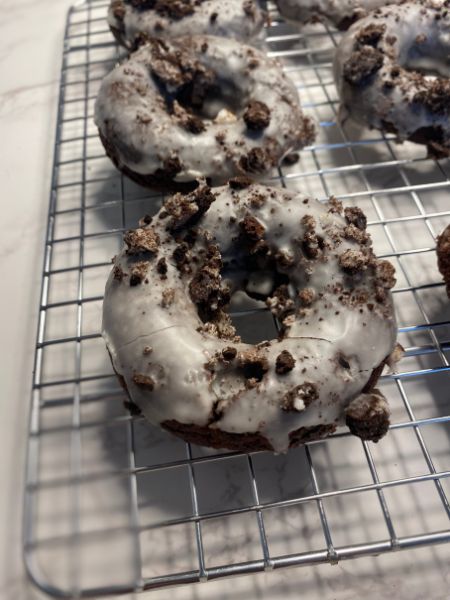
(30, 54)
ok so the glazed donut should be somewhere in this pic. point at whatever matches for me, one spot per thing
(198, 106)
(342, 13)
(132, 21)
(174, 346)
(390, 73)
(443, 253)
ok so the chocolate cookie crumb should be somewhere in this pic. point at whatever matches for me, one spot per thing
(138, 273)
(254, 161)
(211, 365)
(161, 267)
(436, 96)
(367, 416)
(308, 222)
(351, 232)
(168, 296)
(187, 210)
(187, 120)
(141, 240)
(284, 260)
(395, 356)
(284, 363)
(252, 228)
(352, 261)
(171, 166)
(361, 65)
(118, 273)
(280, 304)
(240, 182)
(385, 272)
(421, 38)
(310, 245)
(371, 35)
(306, 296)
(145, 220)
(144, 381)
(257, 200)
(257, 115)
(181, 255)
(118, 9)
(206, 291)
(194, 124)
(173, 9)
(335, 205)
(356, 217)
(443, 253)
(300, 397)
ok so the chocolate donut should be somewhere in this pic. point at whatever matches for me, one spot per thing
(341, 13)
(391, 73)
(198, 106)
(175, 348)
(132, 21)
(443, 253)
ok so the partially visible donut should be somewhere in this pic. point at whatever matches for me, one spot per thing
(174, 346)
(443, 253)
(132, 21)
(342, 13)
(198, 106)
(391, 73)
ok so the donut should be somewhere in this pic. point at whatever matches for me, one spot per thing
(175, 349)
(341, 13)
(391, 75)
(132, 21)
(198, 106)
(443, 254)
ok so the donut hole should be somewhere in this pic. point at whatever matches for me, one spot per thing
(247, 309)
(220, 99)
(251, 318)
(189, 79)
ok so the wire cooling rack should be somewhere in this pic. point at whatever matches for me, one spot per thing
(114, 505)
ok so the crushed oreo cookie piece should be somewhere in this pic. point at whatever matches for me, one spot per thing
(284, 363)
(141, 240)
(356, 217)
(362, 65)
(300, 397)
(240, 182)
(367, 416)
(144, 381)
(257, 115)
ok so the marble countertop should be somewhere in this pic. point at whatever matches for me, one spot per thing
(30, 55)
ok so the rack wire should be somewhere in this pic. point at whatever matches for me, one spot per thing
(113, 505)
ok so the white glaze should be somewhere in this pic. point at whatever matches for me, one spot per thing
(337, 12)
(29, 104)
(374, 104)
(133, 318)
(147, 145)
(232, 21)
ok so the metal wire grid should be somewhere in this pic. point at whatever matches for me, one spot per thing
(77, 542)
